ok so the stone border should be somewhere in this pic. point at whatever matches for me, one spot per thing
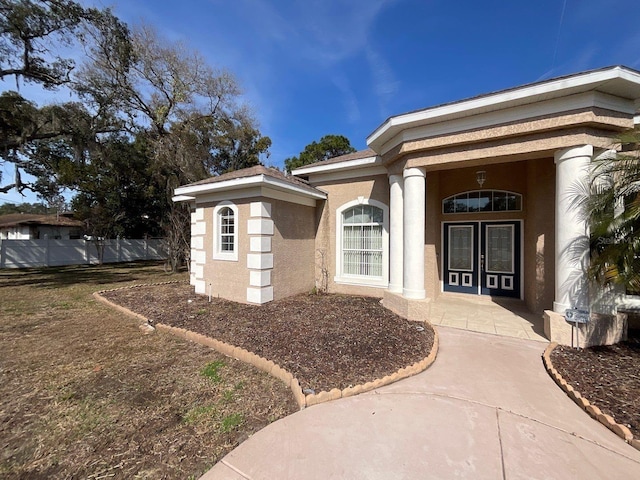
(621, 430)
(269, 366)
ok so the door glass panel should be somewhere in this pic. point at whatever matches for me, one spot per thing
(461, 247)
(500, 248)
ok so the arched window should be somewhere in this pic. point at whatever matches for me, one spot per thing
(225, 217)
(362, 243)
(480, 201)
(227, 230)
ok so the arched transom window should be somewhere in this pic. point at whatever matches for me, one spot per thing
(480, 201)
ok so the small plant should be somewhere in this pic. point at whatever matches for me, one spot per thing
(227, 396)
(231, 422)
(196, 414)
(212, 371)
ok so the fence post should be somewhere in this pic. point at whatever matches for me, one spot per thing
(47, 252)
(118, 249)
(3, 254)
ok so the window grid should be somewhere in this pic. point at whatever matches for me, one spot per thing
(362, 241)
(227, 230)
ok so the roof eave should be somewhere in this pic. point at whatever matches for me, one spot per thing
(190, 192)
(331, 167)
(505, 99)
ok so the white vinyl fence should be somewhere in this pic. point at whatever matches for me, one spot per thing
(50, 253)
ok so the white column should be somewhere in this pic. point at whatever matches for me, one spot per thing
(572, 230)
(396, 242)
(413, 231)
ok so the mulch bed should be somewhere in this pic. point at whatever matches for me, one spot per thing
(607, 376)
(326, 341)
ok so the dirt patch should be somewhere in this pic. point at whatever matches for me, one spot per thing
(326, 341)
(607, 376)
(83, 394)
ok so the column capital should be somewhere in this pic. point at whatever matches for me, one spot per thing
(395, 178)
(573, 152)
(414, 172)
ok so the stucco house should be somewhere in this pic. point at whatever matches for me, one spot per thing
(26, 226)
(473, 197)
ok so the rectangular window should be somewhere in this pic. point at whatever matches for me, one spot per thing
(499, 248)
(461, 247)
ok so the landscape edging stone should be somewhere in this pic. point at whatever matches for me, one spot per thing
(268, 366)
(594, 412)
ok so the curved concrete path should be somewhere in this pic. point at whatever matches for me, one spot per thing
(486, 409)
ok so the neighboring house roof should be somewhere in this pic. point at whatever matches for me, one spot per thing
(15, 219)
(258, 176)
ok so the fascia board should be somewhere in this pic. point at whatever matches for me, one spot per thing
(191, 191)
(547, 90)
(182, 198)
(285, 186)
(333, 176)
(513, 114)
(349, 164)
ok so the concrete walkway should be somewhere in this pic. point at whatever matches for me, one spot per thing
(508, 317)
(486, 409)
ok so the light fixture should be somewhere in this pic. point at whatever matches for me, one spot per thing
(481, 177)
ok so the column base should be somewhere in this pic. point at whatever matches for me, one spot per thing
(601, 330)
(414, 294)
(417, 310)
(560, 308)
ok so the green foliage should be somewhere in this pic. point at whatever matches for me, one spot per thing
(329, 146)
(199, 413)
(152, 116)
(231, 422)
(613, 208)
(118, 193)
(33, 208)
(212, 371)
(32, 31)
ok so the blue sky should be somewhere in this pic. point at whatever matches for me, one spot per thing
(317, 67)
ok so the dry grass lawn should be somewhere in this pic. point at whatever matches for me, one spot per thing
(84, 394)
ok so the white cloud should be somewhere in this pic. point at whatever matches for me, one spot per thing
(348, 97)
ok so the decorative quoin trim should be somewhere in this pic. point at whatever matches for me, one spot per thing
(260, 261)
(198, 253)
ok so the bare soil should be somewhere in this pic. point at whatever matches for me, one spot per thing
(325, 340)
(84, 394)
(607, 376)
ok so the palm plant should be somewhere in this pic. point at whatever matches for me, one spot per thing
(613, 209)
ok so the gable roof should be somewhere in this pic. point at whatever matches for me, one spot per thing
(618, 81)
(249, 177)
(15, 219)
(343, 162)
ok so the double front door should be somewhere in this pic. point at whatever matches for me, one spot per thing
(482, 258)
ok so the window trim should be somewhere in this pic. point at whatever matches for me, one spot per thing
(217, 232)
(340, 276)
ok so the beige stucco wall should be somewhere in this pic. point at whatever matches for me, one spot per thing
(225, 278)
(539, 236)
(293, 247)
(341, 192)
